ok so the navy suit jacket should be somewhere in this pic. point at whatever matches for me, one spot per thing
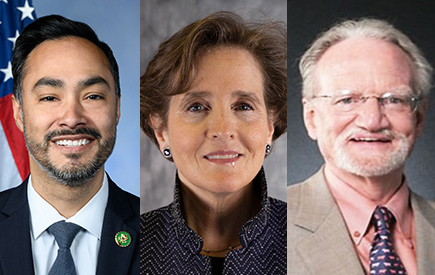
(122, 214)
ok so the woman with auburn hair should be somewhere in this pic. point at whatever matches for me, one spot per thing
(213, 100)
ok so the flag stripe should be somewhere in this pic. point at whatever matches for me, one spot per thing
(14, 162)
(9, 176)
(14, 136)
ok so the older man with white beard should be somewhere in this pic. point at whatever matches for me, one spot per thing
(365, 87)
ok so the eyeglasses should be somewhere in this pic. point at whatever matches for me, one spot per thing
(390, 102)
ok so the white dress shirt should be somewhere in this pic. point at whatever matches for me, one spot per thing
(86, 245)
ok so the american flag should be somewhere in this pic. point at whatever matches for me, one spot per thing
(14, 160)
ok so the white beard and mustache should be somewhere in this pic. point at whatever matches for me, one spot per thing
(372, 164)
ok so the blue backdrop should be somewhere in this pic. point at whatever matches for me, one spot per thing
(117, 23)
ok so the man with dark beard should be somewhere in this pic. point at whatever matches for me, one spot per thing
(365, 88)
(68, 216)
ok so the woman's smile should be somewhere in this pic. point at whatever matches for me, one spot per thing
(223, 157)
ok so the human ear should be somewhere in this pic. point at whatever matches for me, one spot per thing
(118, 109)
(17, 113)
(160, 131)
(270, 129)
(310, 118)
(420, 118)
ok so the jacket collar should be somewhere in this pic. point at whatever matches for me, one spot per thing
(122, 214)
(424, 216)
(16, 257)
(326, 245)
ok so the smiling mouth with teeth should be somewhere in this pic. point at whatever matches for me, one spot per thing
(72, 143)
(223, 156)
(370, 140)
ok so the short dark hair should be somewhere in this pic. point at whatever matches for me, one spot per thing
(54, 27)
(172, 69)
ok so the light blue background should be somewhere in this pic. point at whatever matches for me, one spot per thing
(117, 23)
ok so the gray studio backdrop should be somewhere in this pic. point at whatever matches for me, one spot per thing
(159, 20)
(306, 19)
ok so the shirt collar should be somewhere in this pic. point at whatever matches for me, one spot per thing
(90, 217)
(250, 230)
(357, 210)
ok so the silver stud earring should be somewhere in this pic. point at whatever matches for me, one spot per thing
(268, 148)
(167, 152)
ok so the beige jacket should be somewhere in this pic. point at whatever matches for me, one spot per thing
(318, 241)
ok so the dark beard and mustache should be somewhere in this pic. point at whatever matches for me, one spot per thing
(78, 173)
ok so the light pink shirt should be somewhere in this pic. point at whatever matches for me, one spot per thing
(357, 211)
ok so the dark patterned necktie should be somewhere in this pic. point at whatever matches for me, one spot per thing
(383, 258)
(64, 234)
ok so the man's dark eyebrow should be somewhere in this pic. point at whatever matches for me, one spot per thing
(45, 81)
(93, 81)
(57, 83)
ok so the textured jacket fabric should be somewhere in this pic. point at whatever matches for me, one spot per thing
(169, 246)
(318, 239)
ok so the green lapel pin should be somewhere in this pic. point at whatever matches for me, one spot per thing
(123, 239)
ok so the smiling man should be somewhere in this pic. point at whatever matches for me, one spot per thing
(68, 216)
(365, 88)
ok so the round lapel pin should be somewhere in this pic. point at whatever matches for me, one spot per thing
(123, 239)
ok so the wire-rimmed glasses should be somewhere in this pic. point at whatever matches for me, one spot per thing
(390, 102)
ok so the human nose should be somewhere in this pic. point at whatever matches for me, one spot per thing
(221, 126)
(371, 115)
(72, 114)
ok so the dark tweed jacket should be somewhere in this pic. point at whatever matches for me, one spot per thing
(169, 246)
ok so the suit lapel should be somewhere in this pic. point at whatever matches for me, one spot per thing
(328, 248)
(424, 217)
(16, 251)
(112, 258)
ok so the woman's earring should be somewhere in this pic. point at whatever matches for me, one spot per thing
(167, 152)
(268, 148)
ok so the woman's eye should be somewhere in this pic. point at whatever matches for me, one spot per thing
(196, 107)
(244, 107)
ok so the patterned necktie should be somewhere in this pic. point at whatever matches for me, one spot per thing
(383, 258)
(64, 234)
